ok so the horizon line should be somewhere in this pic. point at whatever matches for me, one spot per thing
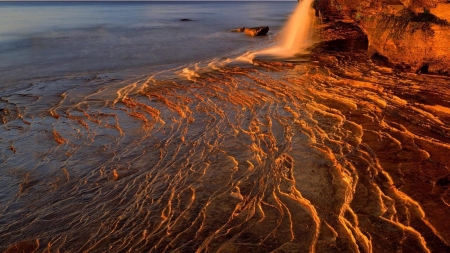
(11, 1)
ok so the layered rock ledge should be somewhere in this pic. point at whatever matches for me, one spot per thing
(414, 34)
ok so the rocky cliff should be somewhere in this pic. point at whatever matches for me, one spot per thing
(412, 33)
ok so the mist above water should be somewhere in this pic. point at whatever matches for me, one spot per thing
(51, 39)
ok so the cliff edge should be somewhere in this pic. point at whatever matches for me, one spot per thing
(412, 33)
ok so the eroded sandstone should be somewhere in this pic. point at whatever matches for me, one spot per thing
(413, 34)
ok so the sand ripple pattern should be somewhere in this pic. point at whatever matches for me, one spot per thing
(336, 156)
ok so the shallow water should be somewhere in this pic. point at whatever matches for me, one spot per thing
(48, 39)
(331, 153)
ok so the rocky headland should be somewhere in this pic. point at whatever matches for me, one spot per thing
(413, 34)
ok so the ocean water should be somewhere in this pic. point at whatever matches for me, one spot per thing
(45, 39)
(123, 129)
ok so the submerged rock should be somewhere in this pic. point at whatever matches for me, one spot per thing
(257, 31)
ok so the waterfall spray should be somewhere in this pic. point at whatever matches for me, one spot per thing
(296, 36)
(297, 32)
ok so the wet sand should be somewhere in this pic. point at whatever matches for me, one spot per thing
(332, 154)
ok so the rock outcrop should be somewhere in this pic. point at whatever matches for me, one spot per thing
(411, 33)
(257, 31)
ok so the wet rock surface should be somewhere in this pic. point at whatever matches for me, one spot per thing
(333, 154)
(238, 30)
(257, 31)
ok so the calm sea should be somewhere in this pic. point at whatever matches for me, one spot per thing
(49, 39)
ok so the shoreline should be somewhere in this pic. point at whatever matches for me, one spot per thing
(285, 150)
(328, 151)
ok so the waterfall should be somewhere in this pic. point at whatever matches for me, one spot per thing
(296, 36)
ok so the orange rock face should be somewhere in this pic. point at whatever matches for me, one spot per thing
(414, 34)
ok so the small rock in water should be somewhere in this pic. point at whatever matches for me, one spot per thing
(185, 19)
(239, 30)
(257, 31)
